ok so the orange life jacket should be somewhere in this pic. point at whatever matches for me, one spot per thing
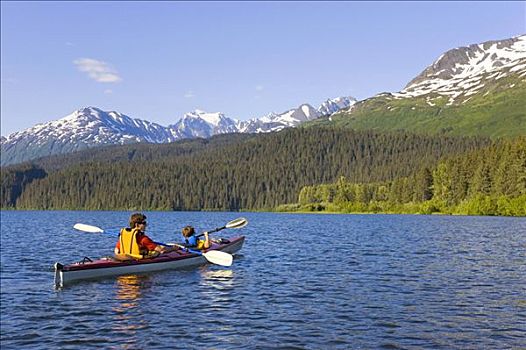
(128, 243)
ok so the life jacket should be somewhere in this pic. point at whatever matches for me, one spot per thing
(128, 243)
(190, 241)
(193, 242)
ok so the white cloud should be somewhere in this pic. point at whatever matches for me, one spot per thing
(189, 94)
(108, 91)
(97, 70)
(259, 88)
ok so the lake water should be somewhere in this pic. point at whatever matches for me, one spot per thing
(300, 282)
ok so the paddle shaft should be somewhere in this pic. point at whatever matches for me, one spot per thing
(212, 231)
(237, 223)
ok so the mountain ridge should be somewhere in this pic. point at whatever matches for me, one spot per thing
(92, 127)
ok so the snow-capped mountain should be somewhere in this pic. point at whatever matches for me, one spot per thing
(91, 127)
(275, 122)
(202, 124)
(294, 117)
(85, 128)
(464, 71)
(332, 106)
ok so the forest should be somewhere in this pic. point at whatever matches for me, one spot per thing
(487, 181)
(233, 172)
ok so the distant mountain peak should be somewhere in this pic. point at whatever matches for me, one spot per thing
(214, 118)
(331, 106)
(86, 127)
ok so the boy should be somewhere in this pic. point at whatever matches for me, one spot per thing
(191, 240)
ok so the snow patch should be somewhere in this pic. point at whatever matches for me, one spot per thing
(492, 60)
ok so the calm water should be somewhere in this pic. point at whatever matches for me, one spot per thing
(300, 282)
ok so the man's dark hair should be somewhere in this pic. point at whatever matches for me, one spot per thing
(137, 218)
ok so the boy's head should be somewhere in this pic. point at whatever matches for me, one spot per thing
(188, 231)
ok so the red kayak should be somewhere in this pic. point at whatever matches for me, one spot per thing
(218, 253)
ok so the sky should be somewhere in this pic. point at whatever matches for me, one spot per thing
(159, 60)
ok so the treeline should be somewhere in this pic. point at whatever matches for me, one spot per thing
(253, 173)
(136, 152)
(15, 180)
(488, 181)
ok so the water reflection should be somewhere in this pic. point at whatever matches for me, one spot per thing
(218, 279)
(217, 287)
(129, 312)
(129, 290)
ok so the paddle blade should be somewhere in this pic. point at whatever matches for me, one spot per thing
(237, 223)
(88, 228)
(218, 257)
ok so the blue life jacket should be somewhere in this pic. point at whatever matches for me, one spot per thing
(190, 241)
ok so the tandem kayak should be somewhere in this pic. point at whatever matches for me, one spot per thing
(104, 267)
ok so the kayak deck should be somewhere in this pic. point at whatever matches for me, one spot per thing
(104, 267)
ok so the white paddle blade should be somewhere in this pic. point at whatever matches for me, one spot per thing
(88, 228)
(237, 223)
(218, 257)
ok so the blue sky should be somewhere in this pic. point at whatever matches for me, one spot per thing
(159, 60)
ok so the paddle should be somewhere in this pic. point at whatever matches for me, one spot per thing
(237, 223)
(213, 256)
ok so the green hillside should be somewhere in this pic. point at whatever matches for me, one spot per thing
(498, 110)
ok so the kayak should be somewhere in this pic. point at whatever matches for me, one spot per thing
(108, 266)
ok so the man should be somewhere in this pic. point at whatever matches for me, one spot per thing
(133, 242)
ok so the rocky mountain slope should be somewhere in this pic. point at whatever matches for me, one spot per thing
(465, 71)
(475, 90)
